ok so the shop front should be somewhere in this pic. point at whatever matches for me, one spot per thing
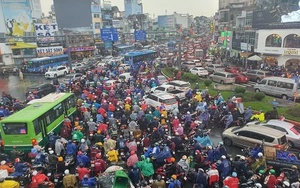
(79, 53)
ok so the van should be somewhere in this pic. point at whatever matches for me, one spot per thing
(250, 136)
(157, 99)
(125, 77)
(223, 77)
(277, 86)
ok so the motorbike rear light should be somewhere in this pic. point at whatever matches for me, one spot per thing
(278, 146)
(2, 143)
(33, 141)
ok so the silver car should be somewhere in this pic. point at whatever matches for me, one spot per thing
(223, 77)
(292, 131)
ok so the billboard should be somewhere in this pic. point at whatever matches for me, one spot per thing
(17, 14)
(49, 51)
(45, 30)
(68, 16)
(281, 17)
(166, 21)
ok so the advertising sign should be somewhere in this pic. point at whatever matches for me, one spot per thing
(45, 30)
(49, 51)
(166, 21)
(281, 51)
(17, 14)
(277, 18)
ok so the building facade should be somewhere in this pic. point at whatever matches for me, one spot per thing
(36, 9)
(133, 7)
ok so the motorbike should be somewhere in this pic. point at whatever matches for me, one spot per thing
(69, 160)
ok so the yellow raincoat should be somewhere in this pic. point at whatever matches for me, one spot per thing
(113, 156)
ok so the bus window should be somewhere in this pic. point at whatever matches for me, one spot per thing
(14, 128)
(37, 127)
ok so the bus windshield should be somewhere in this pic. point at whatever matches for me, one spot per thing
(14, 128)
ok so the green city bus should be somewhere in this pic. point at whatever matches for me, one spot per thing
(34, 123)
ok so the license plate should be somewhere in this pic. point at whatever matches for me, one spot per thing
(92, 165)
(55, 180)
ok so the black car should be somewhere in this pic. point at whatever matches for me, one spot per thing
(41, 90)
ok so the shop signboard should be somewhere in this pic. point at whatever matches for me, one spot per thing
(49, 51)
(18, 19)
(45, 32)
(281, 51)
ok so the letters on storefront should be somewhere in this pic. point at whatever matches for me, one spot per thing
(291, 52)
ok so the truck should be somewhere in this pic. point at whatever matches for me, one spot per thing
(170, 90)
(281, 158)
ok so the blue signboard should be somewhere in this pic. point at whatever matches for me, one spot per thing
(140, 35)
(109, 34)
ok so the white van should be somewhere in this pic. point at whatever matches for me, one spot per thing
(157, 99)
(277, 86)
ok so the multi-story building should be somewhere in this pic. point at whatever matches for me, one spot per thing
(36, 9)
(133, 7)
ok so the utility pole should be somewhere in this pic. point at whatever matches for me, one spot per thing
(69, 51)
(179, 57)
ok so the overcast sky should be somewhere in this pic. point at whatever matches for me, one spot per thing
(160, 7)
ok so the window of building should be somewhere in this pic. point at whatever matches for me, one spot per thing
(292, 41)
(16, 52)
(273, 40)
(97, 25)
(96, 15)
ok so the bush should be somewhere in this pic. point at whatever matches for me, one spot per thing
(239, 95)
(248, 96)
(240, 89)
(189, 77)
(207, 82)
(294, 111)
(259, 96)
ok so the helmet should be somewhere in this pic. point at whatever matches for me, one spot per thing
(173, 160)
(261, 172)
(258, 185)
(79, 153)
(98, 155)
(60, 159)
(260, 154)
(243, 158)
(184, 157)
(67, 172)
(77, 118)
(272, 171)
(286, 184)
(82, 140)
(17, 160)
(174, 177)
(132, 152)
(234, 174)
(223, 157)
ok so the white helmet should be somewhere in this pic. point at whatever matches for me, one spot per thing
(258, 185)
(223, 157)
(82, 140)
(260, 154)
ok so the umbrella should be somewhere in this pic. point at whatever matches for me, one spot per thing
(255, 58)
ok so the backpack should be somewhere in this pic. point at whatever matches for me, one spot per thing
(176, 184)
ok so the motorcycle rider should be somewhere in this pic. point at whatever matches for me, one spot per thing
(37, 179)
(4, 166)
(40, 157)
(147, 170)
(200, 179)
(59, 147)
(19, 168)
(83, 146)
(232, 181)
(71, 148)
(69, 180)
(213, 175)
(61, 165)
(52, 160)
(174, 182)
(135, 175)
(100, 164)
(89, 182)
(52, 139)
(82, 159)
(132, 160)
(113, 155)
(82, 171)
(77, 135)
(224, 167)
(92, 125)
(183, 162)
(270, 179)
(159, 183)
(260, 163)
(293, 175)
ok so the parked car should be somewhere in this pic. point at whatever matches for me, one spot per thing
(232, 69)
(71, 77)
(186, 66)
(279, 87)
(200, 71)
(162, 79)
(57, 71)
(181, 85)
(292, 131)
(257, 75)
(241, 78)
(212, 68)
(41, 90)
(223, 77)
(250, 136)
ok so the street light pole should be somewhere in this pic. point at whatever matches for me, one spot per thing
(179, 57)
(69, 51)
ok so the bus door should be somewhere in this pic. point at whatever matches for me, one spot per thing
(43, 127)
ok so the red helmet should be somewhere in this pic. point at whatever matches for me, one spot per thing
(213, 166)
(79, 153)
(77, 118)
(98, 156)
(17, 160)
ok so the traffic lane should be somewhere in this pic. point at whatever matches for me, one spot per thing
(17, 88)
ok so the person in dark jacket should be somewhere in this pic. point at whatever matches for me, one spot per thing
(71, 148)
(200, 179)
(135, 175)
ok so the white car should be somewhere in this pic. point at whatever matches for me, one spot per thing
(78, 67)
(162, 79)
(181, 85)
(200, 71)
(57, 71)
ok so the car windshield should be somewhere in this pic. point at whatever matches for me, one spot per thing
(14, 128)
(218, 66)
(52, 69)
(295, 130)
(231, 76)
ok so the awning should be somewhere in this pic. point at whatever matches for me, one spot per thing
(21, 45)
(246, 54)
